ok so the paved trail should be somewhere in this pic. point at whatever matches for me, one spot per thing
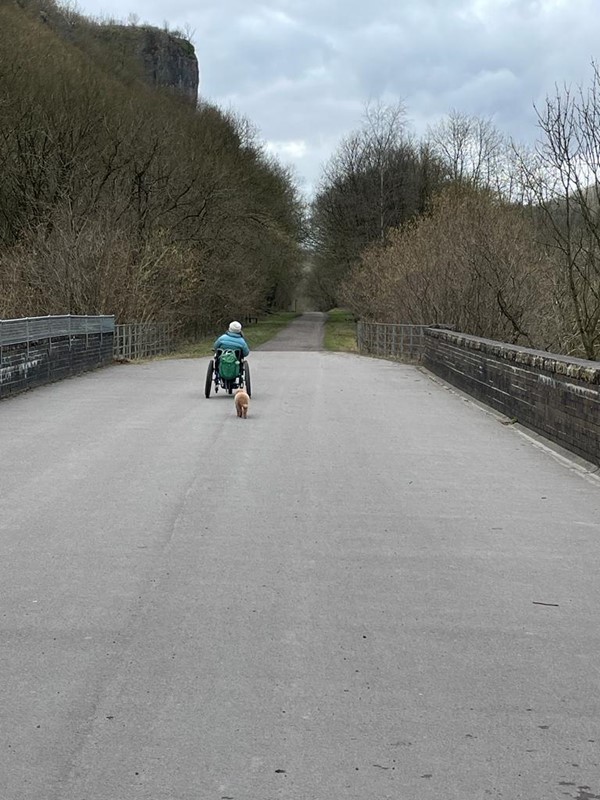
(302, 334)
(340, 597)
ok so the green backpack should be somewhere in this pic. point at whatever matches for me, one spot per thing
(229, 366)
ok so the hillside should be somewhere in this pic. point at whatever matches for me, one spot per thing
(156, 56)
(121, 194)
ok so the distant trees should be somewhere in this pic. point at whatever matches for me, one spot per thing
(500, 241)
(470, 257)
(471, 262)
(120, 199)
(377, 180)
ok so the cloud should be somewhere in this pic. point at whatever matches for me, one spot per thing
(303, 70)
(295, 149)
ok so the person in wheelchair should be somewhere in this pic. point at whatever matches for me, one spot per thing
(228, 369)
(232, 339)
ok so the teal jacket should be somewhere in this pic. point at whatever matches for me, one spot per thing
(232, 341)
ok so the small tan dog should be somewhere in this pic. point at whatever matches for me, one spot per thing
(242, 401)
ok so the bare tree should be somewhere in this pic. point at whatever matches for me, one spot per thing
(473, 150)
(383, 134)
(562, 178)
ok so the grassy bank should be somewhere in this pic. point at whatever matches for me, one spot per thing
(340, 331)
(255, 334)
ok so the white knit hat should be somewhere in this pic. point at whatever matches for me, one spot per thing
(235, 327)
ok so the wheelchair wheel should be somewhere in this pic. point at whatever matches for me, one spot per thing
(209, 378)
(247, 383)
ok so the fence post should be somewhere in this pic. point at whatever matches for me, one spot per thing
(49, 370)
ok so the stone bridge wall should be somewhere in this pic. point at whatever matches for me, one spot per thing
(40, 350)
(557, 396)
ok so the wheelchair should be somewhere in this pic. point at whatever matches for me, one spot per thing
(216, 380)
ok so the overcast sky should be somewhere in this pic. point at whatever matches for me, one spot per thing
(303, 70)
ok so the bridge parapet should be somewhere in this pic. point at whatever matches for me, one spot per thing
(38, 350)
(557, 396)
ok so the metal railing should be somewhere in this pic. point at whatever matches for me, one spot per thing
(388, 340)
(35, 329)
(144, 339)
(131, 340)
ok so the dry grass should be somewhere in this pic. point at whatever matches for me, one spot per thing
(340, 331)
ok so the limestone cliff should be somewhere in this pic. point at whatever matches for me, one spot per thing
(165, 60)
(157, 56)
(169, 61)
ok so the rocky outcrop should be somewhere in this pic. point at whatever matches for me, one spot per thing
(161, 58)
(166, 61)
(169, 62)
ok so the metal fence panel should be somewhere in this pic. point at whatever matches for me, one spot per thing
(388, 340)
(144, 339)
(34, 329)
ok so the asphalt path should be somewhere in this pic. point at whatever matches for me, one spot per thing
(305, 333)
(369, 589)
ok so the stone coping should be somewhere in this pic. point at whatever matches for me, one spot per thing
(577, 368)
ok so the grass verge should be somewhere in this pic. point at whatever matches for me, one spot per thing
(340, 331)
(256, 334)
